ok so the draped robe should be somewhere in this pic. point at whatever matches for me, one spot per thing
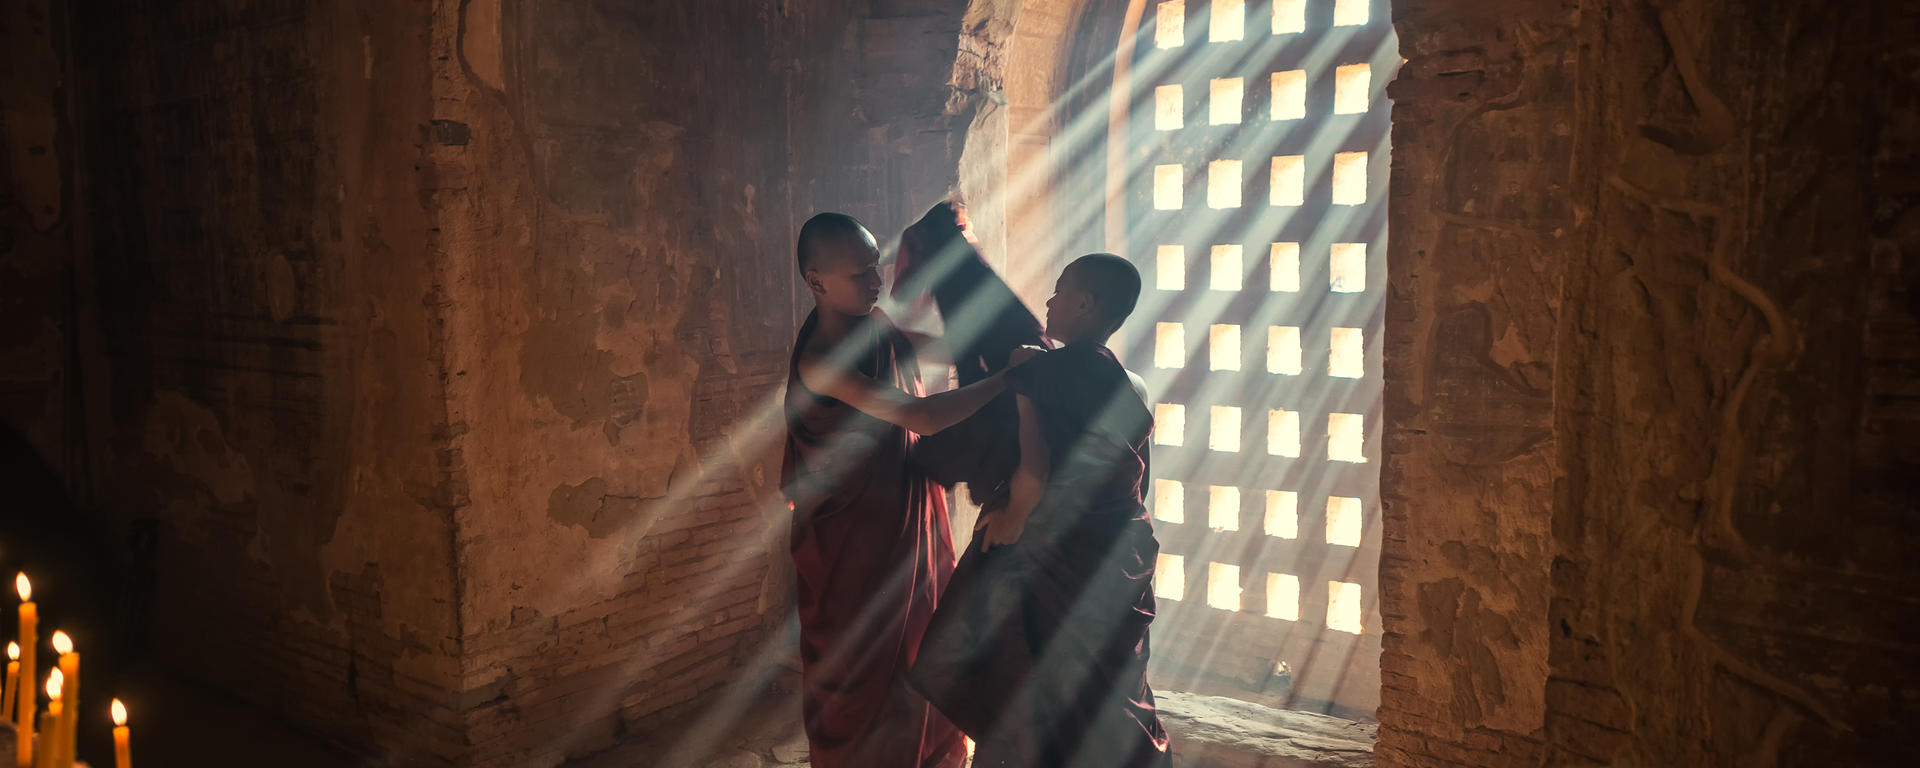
(871, 553)
(1044, 659)
(984, 323)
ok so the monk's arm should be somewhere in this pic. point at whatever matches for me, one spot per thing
(922, 415)
(1029, 482)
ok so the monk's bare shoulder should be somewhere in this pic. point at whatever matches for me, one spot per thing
(825, 373)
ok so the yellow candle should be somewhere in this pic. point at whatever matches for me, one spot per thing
(25, 703)
(46, 750)
(45, 743)
(69, 699)
(122, 750)
(13, 676)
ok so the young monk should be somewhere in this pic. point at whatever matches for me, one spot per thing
(1052, 671)
(871, 547)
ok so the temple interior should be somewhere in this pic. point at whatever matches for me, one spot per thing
(1535, 382)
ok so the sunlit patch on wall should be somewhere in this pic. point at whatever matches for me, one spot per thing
(1283, 596)
(1284, 261)
(1169, 581)
(1228, 21)
(1289, 101)
(1283, 515)
(1283, 433)
(1223, 507)
(1169, 112)
(1289, 179)
(1169, 424)
(1170, 25)
(1223, 347)
(1169, 501)
(1223, 432)
(1223, 586)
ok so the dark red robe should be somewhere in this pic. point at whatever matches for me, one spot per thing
(1040, 650)
(984, 323)
(871, 554)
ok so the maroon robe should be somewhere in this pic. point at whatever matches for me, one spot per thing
(1040, 649)
(871, 554)
(984, 323)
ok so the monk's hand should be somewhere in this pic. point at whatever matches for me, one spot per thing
(1023, 353)
(1003, 527)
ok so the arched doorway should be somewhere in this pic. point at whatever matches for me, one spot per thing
(1237, 153)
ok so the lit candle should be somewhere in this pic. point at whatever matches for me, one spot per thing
(13, 676)
(122, 750)
(25, 704)
(46, 752)
(69, 699)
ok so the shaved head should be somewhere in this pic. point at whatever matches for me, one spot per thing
(827, 229)
(1113, 282)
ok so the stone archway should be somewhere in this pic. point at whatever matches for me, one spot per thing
(1049, 145)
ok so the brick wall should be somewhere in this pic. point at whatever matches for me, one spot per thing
(263, 383)
(437, 341)
(618, 217)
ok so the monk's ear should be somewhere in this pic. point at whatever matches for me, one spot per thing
(812, 278)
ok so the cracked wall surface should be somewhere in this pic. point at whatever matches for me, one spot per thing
(36, 253)
(1651, 325)
(266, 400)
(618, 223)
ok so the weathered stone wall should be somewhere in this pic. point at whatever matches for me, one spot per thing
(439, 342)
(271, 397)
(1735, 374)
(619, 190)
(1652, 332)
(36, 249)
(1481, 228)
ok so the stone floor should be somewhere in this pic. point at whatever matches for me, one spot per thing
(201, 727)
(749, 728)
(1207, 731)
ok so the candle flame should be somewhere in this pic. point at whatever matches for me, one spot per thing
(61, 643)
(119, 713)
(55, 682)
(24, 587)
(13, 651)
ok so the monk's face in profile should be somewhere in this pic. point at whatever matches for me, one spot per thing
(845, 275)
(1071, 314)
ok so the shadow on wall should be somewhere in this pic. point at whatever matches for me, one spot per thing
(90, 580)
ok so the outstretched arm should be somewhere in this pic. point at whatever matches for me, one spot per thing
(922, 415)
(1029, 482)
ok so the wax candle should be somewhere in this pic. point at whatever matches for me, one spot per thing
(69, 699)
(122, 749)
(13, 676)
(46, 750)
(25, 703)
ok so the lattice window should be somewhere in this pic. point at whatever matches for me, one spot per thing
(1257, 212)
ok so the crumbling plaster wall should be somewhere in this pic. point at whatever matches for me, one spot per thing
(36, 246)
(439, 341)
(270, 401)
(622, 185)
